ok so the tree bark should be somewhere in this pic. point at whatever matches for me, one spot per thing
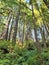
(38, 46)
(6, 33)
(23, 34)
(15, 28)
(10, 29)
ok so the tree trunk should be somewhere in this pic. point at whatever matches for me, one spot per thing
(10, 29)
(23, 34)
(16, 25)
(15, 28)
(6, 34)
(38, 46)
(43, 36)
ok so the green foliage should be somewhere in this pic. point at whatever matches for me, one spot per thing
(23, 56)
(5, 45)
(27, 55)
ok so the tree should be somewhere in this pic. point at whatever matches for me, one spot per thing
(16, 26)
(35, 32)
(47, 3)
(6, 33)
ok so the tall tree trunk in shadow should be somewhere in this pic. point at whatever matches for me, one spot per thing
(6, 33)
(23, 34)
(43, 36)
(38, 46)
(16, 25)
(15, 28)
(10, 29)
(46, 28)
(44, 39)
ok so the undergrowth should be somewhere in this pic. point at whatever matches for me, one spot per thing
(22, 56)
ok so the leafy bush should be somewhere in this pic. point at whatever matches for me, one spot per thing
(4, 44)
(22, 56)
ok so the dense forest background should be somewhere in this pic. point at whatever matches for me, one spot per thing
(24, 32)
